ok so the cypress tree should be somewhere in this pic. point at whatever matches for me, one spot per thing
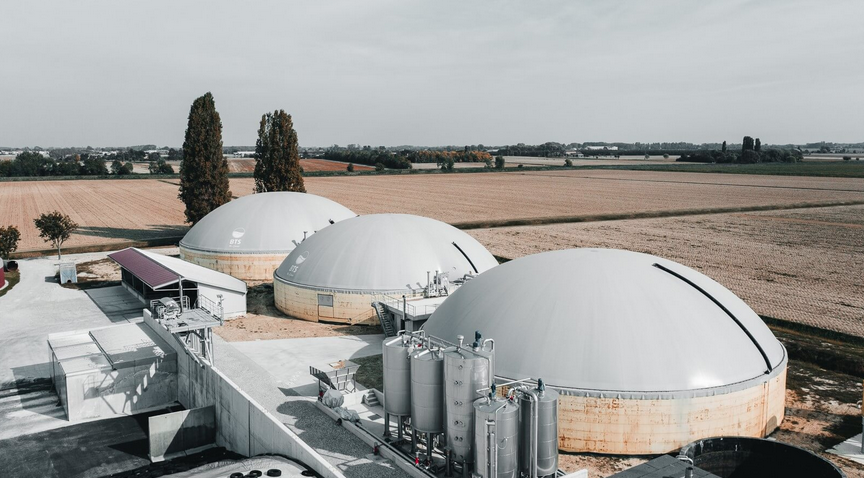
(757, 146)
(724, 146)
(277, 160)
(204, 169)
(747, 144)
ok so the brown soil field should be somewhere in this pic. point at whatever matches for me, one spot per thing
(248, 165)
(479, 198)
(799, 265)
(117, 211)
(107, 211)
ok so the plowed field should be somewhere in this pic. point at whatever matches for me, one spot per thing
(800, 265)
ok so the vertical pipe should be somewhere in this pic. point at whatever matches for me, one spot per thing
(413, 440)
(401, 425)
(429, 448)
(386, 424)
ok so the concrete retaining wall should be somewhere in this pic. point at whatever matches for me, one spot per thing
(175, 433)
(243, 426)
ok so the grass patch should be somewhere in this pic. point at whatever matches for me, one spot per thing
(839, 169)
(371, 371)
(12, 277)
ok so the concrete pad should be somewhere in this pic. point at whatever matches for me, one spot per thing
(850, 449)
(288, 360)
(116, 302)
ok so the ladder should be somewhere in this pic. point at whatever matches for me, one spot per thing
(384, 318)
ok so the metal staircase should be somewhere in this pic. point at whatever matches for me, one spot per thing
(385, 318)
(371, 399)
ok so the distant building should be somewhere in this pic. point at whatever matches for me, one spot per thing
(602, 148)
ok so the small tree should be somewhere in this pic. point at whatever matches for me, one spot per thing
(499, 162)
(277, 160)
(446, 163)
(9, 237)
(54, 228)
(350, 167)
(724, 147)
(488, 162)
(757, 146)
(568, 162)
(747, 144)
(379, 167)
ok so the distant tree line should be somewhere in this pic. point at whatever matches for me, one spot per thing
(29, 164)
(751, 152)
(405, 158)
(370, 157)
(546, 150)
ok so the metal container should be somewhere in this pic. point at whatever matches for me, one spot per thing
(427, 390)
(547, 432)
(397, 375)
(465, 372)
(496, 438)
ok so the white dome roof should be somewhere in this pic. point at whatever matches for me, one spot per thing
(383, 252)
(605, 320)
(263, 223)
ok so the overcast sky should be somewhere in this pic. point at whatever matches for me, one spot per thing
(77, 73)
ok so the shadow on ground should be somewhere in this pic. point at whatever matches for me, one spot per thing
(164, 230)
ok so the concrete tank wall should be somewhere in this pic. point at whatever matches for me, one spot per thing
(348, 307)
(252, 267)
(641, 427)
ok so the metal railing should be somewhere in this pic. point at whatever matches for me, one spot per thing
(407, 306)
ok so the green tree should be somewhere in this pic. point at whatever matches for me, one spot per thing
(379, 167)
(724, 147)
(757, 146)
(9, 237)
(499, 162)
(568, 162)
(160, 167)
(54, 228)
(446, 163)
(94, 166)
(747, 144)
(350, 167)
(204, 169)
(277, 160)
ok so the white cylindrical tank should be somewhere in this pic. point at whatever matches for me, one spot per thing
(496, 438)
(397, 376)
(427, 390)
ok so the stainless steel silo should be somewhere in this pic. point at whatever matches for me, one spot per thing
(465, 372)
(496, 438)
(397, 375)
(427, 390)
(546, 463)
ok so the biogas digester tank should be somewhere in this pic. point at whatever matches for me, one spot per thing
(465, 372)
(496, 438)
(547, 431)
(427, 390)
(397, 376)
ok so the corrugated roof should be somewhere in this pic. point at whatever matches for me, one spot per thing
(196, 273)
(143, 267)
(604, 320)
(158, 270)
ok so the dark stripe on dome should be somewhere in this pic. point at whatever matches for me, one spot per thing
(466, 257)
(722, 307)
